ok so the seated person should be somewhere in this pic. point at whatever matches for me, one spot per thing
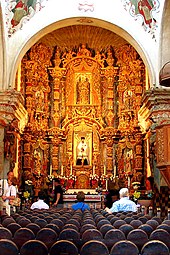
(40, 204)
(80, 205)
(124, 204)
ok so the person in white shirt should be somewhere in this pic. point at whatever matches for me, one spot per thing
(40, 204)
(4, 182)
(124, 204)
(11, 191)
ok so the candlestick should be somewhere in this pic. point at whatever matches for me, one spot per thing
(106, 184)
(62, 170)
(114, 172)
(128, 181)
(93, 170)
(53, 184)
(51, 168)
(104, 169)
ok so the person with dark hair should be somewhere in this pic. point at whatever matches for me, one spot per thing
(40, 204)
(80, 205)
(58, 194)
(4, 182)
(10, 193)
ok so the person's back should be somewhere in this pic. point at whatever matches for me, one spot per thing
(124, 204)
(80, 205)
(40, 204)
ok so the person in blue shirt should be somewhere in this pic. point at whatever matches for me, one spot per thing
(80, 205)
(124, 204)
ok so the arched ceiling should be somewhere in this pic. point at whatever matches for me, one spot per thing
(71, 36)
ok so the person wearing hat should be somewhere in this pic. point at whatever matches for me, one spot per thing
(124, 204)
(58, 194)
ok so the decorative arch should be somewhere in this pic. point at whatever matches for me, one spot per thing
(33, 37)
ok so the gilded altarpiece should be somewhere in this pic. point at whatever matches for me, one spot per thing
(82, 114)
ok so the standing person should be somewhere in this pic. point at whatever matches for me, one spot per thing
(124, 204)
(40, 204)
(10, 193)
(80, 202)
(4, 182)
(58, 194)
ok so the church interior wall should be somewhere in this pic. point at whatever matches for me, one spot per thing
(145, 45)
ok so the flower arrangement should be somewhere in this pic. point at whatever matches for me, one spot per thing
(72, 177)
(139, 195)
(136, 185)
(136, 195)
(26, 195)
(103, 177)
(94, 177)
(28, 182)
(50, 177)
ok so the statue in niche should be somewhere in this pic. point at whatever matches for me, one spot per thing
(82, 152)
(37, 163)
(128, 161)
(83, 51)
(127, 99)
(39, 95)
(83, 91)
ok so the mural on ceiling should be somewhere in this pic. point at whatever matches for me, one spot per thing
(145, 12)
(19, 12)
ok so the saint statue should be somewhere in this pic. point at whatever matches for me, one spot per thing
(82, 152)
(83, 91)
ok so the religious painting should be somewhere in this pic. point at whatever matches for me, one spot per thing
(83, 88)
(83, 181)
(82, 148)
(19, 12)
(144, 11)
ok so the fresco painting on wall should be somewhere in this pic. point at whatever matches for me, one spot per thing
(145, 12)
(19, 12)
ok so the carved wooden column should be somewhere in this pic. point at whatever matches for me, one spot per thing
(138, 157)
(55, 134)
(163, 151)
(27, 156)
(156, 113)
(109, 134)
(110, 73)
(57, 74)
(1, 150)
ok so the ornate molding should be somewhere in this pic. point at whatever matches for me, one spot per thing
(12, 106)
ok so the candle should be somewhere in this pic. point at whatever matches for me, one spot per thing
(128, 181)
(51, 168)
(104, 169)
(114, 172)
(93, 170)
(62, 170)
(71, 170)
(53, 184)
(106, 184)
